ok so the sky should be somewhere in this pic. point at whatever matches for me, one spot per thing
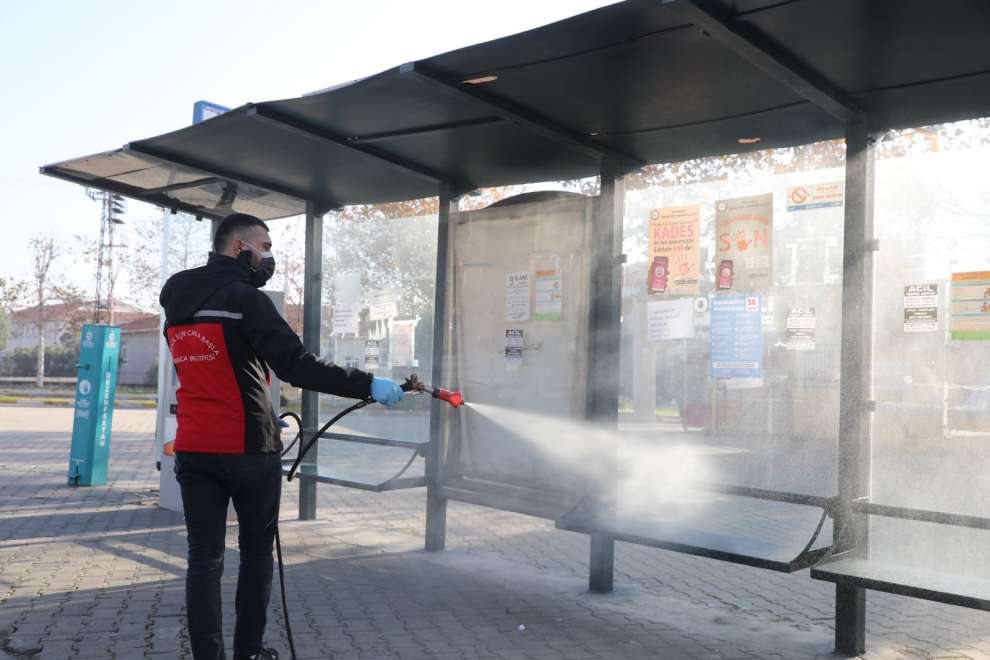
(85, 77)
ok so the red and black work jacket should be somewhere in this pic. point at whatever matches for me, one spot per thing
(224, 334)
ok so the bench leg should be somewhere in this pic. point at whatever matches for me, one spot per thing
(307, 499)
(601, 568)
(850, 620)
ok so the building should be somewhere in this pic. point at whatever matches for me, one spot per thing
(62, 320)
(139, 341)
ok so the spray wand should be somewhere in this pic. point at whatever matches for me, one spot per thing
(414, 384)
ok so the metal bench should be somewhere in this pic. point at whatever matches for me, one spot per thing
(790, 545)
(852, 569)
(366, 478)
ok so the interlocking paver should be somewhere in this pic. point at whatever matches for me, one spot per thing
(99, 573)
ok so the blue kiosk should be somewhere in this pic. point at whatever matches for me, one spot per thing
(96, 384)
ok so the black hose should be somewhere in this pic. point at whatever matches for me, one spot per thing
(299, 435)
(303, 450)
(323, 429)
(285, 605)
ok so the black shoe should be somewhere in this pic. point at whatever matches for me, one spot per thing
(263, 654)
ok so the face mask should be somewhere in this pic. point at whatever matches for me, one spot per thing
(263, 272)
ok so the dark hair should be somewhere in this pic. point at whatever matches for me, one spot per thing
(233, 224)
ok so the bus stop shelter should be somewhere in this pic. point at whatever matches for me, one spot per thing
(603, 94)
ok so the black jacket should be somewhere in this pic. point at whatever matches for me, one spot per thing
(224, 334)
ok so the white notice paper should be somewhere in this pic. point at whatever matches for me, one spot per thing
(513, 347)
(816, 196)
(548, 297)
(383, 305)
(800, 334)
(921, 308)
(402, 343)
(670, 319)
(347, 303)
(517, 297)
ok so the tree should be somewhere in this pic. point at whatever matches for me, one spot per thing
(386, 252)
(189, 244)
(12, 292)
(45, 253)
(47, 287)
(290, 273)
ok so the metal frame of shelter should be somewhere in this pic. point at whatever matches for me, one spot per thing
(741, 34)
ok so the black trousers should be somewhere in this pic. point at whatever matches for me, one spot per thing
(208, 482)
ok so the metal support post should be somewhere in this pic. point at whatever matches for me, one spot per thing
(164, 355)
(603, 358)
(436, 504)
(312, 290)
(855, 412)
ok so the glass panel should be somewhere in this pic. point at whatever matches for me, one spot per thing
(247, 199)
(379, 266)
(731, 317)
(932, 344)
(189, 244)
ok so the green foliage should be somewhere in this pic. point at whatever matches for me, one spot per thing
(387, 252)
(4, 328)
(59, 362)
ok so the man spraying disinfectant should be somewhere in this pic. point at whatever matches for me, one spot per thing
(225, 336)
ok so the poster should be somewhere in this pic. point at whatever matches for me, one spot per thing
(745, 228)
(670, 319)
(970, 306)
(513, 347)
(674, 235)
(517, 297)
(816, 196)
(372, 354)
(800, 335)
(737, 337)
(921, 308)
(382, 305)
(548, 295)
(346, 304)
(402, 343)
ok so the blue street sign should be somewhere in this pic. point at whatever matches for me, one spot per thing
(737, 337)
(203, 110)
(96, 384)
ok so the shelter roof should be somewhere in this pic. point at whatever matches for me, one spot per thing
(641, 81)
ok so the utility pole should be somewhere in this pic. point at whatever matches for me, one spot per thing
(112, 208)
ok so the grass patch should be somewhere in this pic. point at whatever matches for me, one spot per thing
(56, 402)
(9, 399)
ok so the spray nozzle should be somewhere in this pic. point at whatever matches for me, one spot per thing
(414, 384)
(453, 398)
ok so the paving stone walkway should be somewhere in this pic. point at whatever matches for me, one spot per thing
(98, 573)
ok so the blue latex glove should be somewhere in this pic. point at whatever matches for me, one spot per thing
(386, 391)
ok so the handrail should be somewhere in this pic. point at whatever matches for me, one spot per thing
(786, 497)
(920, 515)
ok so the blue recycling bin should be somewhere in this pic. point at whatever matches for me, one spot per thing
(96, 384)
